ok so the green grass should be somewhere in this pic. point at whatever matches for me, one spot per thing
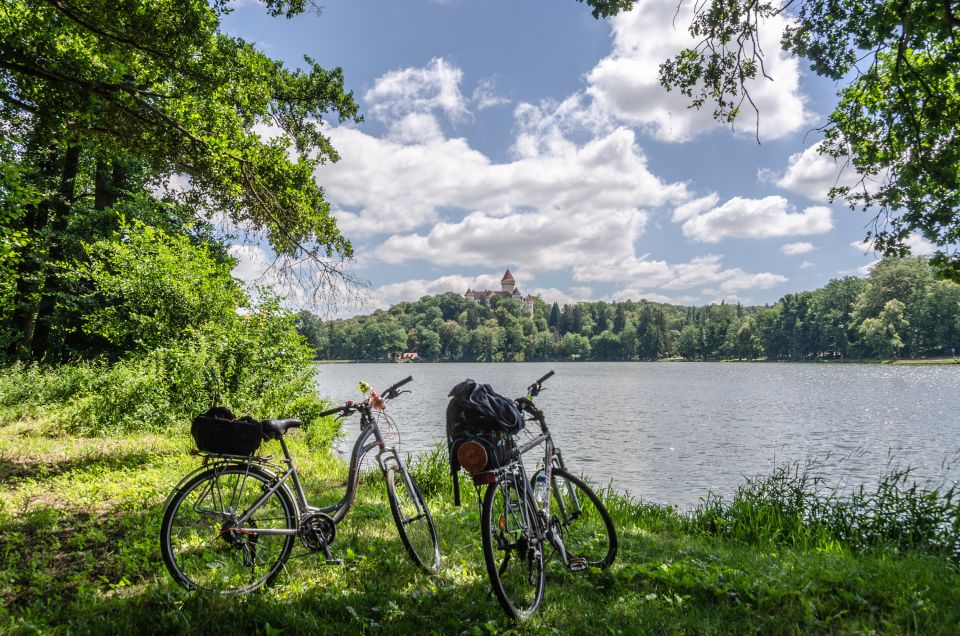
(79, 554)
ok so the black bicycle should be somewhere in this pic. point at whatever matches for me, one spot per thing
(521, 516)
(230, 525)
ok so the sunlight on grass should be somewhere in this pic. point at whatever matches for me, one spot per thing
(79, 520)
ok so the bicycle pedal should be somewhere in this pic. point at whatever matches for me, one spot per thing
(334, 561)
(577, 564)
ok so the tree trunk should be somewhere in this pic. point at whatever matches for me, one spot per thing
(45, 162)
(58, 225)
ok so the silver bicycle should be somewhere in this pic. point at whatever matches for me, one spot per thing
(522, 515)
(230, 525)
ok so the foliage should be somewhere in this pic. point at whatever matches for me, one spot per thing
(899, 99)
(103, 104)
(848, 318)
(793, 506)
(151, 288)
(256, 364)
(157, 79)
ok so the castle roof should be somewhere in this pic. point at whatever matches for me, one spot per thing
(507, 277)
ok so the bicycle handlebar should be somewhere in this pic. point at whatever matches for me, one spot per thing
(535, 388)
(388, 394)
(545, 378)
(337, 409)
(391, 392)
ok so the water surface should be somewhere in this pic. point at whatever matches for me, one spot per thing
(672, 432)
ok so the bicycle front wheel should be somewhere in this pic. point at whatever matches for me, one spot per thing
(212, 538)
(511, 550)
(414, 523)
(585, 525)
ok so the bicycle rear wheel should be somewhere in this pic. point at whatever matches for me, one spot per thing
(512, 553)
(203, 544)
(585, 525)
(413, 519)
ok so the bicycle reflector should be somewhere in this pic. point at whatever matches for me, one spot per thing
(472, 456)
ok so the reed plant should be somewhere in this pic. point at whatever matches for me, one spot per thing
(795, 506)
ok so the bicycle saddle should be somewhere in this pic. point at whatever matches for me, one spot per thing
(275, 429)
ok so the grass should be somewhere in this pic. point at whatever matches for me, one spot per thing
(79, 554)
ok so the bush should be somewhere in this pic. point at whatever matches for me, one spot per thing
(793, 506)
(257, 365)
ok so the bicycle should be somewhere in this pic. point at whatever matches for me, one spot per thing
(230, 525)
(518, 519)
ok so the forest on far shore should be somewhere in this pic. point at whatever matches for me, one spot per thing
(900, 310)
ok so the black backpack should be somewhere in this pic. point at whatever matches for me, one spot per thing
(477, 413)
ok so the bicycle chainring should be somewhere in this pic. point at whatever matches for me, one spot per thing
(317, 531)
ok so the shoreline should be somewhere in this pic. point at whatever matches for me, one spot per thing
(903, 362)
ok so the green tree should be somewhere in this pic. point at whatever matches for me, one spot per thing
(94, 86)
(882, 334)
(381, 338)
(314, 332)
(153, 288)
(575, 346)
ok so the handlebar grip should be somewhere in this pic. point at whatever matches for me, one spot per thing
(399, 384)
(336, 409)
(544, 378)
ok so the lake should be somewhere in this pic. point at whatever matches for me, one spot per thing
(672, 432)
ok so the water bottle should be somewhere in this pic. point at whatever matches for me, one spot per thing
(540, 489)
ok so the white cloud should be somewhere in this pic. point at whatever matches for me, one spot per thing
(741, 281)
(626, 85)
(793, 249)
(384, 186)
(755, 218)
(813, 174)
(806, 265)
(636, 294)
(416, 128)
(694, 208)
(485, 95)
(435, 86)
(918, 245)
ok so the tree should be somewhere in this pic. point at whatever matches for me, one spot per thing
(554, 320)
(93, 86)
(899, 103)
(882, 334)
(154, 289)
(575, 346)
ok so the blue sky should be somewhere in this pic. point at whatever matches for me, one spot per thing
(526, 134)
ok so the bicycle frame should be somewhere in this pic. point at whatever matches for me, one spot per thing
(543, 525)
(387, 457)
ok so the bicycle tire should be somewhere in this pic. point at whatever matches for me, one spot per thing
(414, 522)
(514, 563)
(199, 548)
(585, 525)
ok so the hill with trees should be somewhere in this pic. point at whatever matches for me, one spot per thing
(900, 310)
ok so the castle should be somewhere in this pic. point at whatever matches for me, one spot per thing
(509, 291)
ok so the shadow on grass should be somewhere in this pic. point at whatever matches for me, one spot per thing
(87, 573)
(38, 467)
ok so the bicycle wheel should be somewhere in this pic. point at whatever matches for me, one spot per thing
(413, 519)
(513, 556)
(202, 542)
(584, 523)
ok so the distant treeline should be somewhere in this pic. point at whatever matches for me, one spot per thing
(899, 310)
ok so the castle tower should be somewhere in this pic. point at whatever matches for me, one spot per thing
(508, 283)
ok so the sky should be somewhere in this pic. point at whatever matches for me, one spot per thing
(525, 134)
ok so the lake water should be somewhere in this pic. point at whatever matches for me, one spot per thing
(672, 432)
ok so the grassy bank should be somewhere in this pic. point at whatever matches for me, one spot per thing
(78, 553)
